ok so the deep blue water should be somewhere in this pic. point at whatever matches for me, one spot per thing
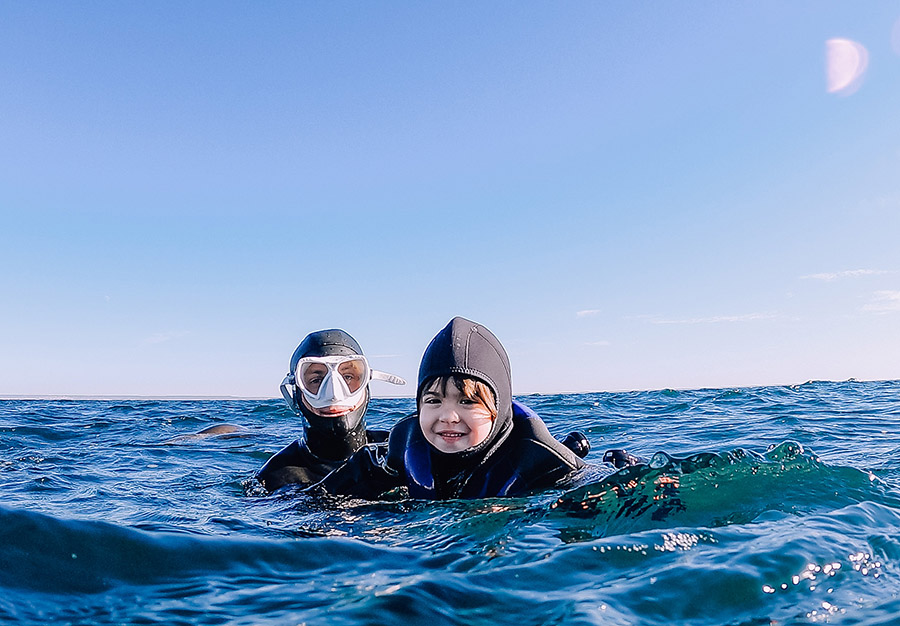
(775, 505)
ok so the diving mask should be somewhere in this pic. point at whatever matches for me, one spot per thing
(337, 382)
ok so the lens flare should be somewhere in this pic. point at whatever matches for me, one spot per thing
(845, 64)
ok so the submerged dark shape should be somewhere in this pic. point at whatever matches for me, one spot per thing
(620, 458)
(518, 456)
(220, 431)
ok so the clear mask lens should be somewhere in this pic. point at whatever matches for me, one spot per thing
(332, 381)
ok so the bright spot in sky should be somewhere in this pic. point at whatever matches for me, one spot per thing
(845, 63)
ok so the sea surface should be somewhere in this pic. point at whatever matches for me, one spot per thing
(762, 506)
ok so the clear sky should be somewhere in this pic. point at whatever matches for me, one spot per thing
(631, 195)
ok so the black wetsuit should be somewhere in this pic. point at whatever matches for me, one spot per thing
(518, 456)
(528, 459)
(296, 463)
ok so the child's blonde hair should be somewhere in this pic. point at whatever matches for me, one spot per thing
(469, 387)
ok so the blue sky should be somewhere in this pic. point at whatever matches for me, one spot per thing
(630, 195)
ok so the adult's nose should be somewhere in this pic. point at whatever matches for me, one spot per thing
(331, 390)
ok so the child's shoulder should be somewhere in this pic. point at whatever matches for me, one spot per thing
(527, 421)
(404, 434)
(533, 442)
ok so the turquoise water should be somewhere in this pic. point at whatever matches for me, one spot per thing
(775, 505)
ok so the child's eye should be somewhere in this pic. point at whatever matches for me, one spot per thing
(431, 400)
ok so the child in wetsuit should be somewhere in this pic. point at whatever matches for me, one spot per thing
(469, 438)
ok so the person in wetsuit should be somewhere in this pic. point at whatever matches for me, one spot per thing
(469, 438)
(328, 386)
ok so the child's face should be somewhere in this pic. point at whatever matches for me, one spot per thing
(450, 421)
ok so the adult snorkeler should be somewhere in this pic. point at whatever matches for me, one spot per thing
(328, 387)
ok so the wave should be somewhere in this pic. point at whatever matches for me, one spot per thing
(714, 489)
(43, 553)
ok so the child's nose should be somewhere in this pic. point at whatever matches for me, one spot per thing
(449, 415)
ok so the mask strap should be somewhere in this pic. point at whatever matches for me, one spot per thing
(287, 390)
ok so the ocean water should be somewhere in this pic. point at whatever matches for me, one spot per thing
(762, 506)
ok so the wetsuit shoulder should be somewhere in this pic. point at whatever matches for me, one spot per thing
(377, 436)
(409, 456)
(293, 464)
(529, 427)
(528, 460)
(402, 436)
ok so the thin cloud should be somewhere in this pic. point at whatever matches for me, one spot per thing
(884, 302)
(719, 319)
(587, 312)
(602, 342)
(164, 337)
(829, 276)
(649, 317)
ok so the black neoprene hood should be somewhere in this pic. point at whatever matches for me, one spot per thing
(467, 348)
(332, 342)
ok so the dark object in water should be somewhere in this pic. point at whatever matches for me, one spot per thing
(223, 431)
(619, 458)
(578, 443)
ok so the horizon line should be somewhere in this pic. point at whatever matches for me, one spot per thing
(111, 397)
